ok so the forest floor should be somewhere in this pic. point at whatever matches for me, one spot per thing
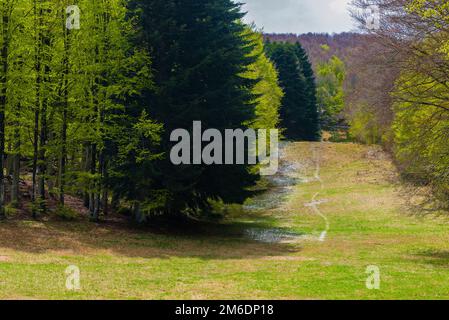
(275, 253)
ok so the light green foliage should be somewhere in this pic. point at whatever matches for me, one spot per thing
(325, 47)
(267, 90)
(364, 127)
(66, 213)
(421, 122)
(420, 132)
(413, 121)
(70, 93)
(330, 95)
(436, 13)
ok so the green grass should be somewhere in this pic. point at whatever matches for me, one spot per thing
(369, 225)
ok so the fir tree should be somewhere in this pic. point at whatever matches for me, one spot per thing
(299, 114)
(312, 130)
(199, 56)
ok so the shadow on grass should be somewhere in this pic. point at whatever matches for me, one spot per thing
(194, 240)
(434, 257)
(253, 237)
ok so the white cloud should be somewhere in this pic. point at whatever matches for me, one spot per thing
(299, 16)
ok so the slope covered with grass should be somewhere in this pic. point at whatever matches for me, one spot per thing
(359, 195)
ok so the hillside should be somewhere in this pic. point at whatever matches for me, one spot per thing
(345, 45)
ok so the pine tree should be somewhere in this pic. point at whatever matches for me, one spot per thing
(312, 130)
(293, 84)
(299, 115)
(199, 56)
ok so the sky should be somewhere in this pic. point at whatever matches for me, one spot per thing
(299, 16)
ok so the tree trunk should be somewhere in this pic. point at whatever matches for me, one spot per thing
(115, 201)
(42, 165)
(63, 159)
(105, 202)
(138, 213)
(37, 15)
(100, 184)
(105, 195)
(35, 151)
(86, 167)
(15, 188)
(93, 169)
(42, 159)
(3, 101)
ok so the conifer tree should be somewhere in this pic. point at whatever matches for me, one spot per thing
(312, 130)
(199, 56)
(299, 115)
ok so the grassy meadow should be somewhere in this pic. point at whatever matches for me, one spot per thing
(371, 223)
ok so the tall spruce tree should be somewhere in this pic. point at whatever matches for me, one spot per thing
(299, 114)
(199, 56)
(293, 109)
(312, 130)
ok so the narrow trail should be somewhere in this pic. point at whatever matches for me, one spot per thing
(291, 174)
(281, 247)
(314, 204)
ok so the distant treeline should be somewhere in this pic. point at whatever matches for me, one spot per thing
(341, 44)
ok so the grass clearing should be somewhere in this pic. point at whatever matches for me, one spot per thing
(370, 224)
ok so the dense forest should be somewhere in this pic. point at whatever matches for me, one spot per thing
(75, 78)
(91, 92)
(335, 59)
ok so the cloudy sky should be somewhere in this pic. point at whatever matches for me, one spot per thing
(299, 16)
